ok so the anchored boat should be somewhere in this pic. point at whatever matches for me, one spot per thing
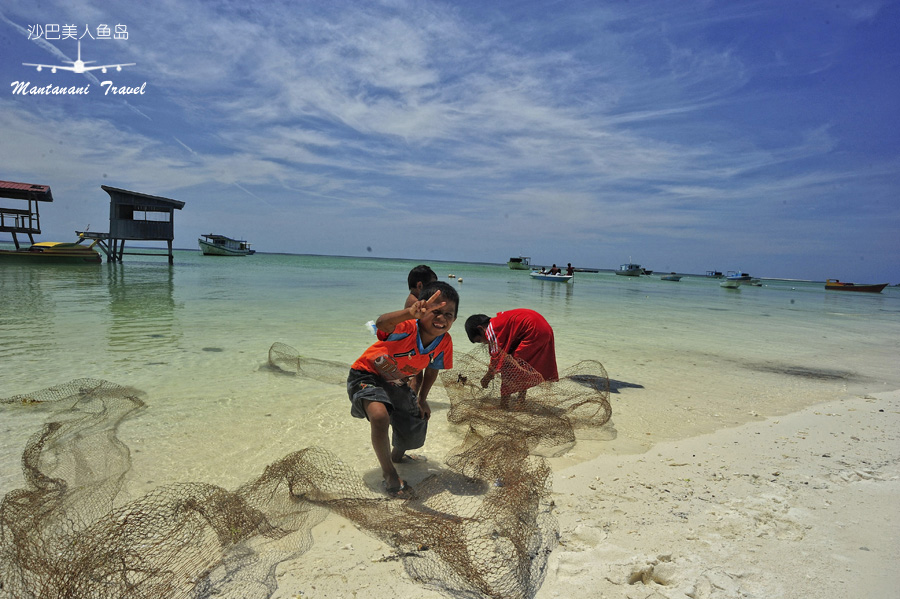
(836, 285)
(520, 263)
(220, 245)
(630, 270)
(53, 252)
(736, 278)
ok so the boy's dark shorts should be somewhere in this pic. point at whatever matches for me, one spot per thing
(408, 428)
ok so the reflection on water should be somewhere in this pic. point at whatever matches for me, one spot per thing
(847, 303)
(142, 308)
(33, 298)
(26, 311)
(555, 289)
(62, 321)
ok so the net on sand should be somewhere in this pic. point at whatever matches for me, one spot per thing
(63, 535)
(543, 413)
(482, 527)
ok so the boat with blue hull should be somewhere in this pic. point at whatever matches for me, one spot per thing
(736, 278)
(543, 276)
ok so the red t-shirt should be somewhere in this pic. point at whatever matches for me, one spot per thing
(526, 335)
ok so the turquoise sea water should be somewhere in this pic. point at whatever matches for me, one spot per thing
(684, 357)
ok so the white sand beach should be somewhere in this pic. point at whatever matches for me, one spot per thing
(797, 506)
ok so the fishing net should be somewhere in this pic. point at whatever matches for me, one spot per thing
(285, 358)
(481, 527)
(63, 535)
(544, 414)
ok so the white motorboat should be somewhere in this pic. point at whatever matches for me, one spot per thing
(736, 278)
(738, 275)
(630, 269)
(219, 245)
(545, 276)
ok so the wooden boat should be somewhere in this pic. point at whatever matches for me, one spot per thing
(520, 263)
(736, 278)
(630, 270)
(544, 276)
(219, 245)
(53, 252)
(671, 277)
(836, 285)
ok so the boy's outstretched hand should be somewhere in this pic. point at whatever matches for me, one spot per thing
(423, 307)
(387, 322)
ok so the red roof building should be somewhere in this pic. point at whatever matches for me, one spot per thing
(26, 221)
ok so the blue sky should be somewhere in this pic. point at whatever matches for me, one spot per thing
(687, 136)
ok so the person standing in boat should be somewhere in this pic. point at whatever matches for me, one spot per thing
(569, 270)
(514, 337)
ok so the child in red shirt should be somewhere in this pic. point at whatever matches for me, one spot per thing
(523, 334)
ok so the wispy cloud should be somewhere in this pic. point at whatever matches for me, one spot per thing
(521, 125)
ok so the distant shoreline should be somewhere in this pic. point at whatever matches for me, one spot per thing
(583, 269)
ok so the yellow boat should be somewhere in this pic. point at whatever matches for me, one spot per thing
(54, 252)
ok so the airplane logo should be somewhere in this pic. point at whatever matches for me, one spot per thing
(79, 66)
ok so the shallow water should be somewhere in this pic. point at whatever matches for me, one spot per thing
(684, 357)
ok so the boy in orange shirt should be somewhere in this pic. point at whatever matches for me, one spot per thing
(409, 341)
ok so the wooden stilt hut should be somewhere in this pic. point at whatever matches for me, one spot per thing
(136, 216)
(26, 221)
